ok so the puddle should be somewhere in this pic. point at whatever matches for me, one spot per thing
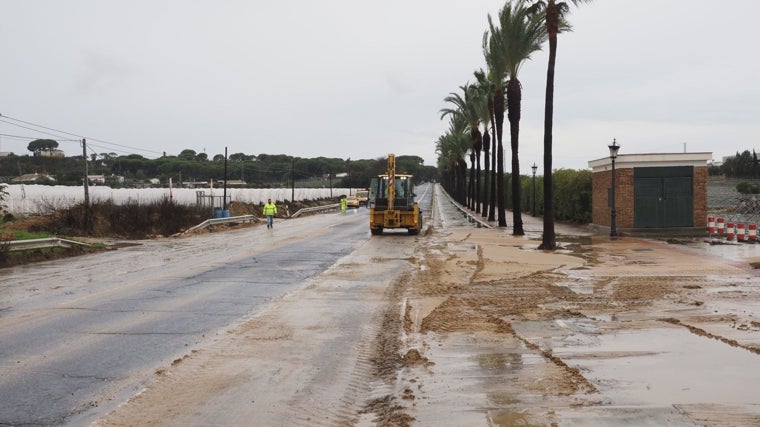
(578, 281)
(666, 366)
(733, 251)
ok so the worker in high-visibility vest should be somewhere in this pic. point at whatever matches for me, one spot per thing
(343, 203)
(270, 210)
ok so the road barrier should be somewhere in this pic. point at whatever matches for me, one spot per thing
(50, 242)
(316, 209)
(721, 226)
(741, 231)
(215, 221)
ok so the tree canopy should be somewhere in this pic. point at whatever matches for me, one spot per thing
(39, 145)
(264, 170)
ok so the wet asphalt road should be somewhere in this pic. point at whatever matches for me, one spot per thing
(79, 336)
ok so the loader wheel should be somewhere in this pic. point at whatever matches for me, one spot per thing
(376, 231)
(416, 231)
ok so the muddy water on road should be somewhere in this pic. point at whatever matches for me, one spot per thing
(631, 332)
(663, 366)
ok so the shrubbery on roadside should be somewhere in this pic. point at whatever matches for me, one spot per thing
(129, 220)
(572, 195)
(748, 188)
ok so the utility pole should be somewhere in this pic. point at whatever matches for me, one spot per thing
(224, 195)
(292, 180)
(86, 187)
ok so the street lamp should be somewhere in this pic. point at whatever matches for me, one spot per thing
(613, 155)
(534, 167)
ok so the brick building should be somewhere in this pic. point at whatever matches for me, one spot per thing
(664, 192)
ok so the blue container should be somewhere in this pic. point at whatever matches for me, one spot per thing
(226, 213)
(217, 213)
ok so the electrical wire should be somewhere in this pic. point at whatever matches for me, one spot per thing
(32, 129)
(2, 116)
(31, 138)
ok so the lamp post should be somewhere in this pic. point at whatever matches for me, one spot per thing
(613, 155)
(534, 167)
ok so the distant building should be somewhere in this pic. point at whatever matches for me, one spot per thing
(5, 153)
(195, 184)
(233, 183)
(51, 153)
(34, 178)
(97, 179)
(654, 192)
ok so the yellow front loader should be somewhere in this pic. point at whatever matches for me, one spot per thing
(391, 202)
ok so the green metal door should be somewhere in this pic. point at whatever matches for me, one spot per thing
(663, 197)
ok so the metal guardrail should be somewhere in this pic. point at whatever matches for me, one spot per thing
(466, 212)
(228, 220)
(49, 242)
(316, 209)
(250, 218)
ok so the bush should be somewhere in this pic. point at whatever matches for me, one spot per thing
(131, 220)
(748, 188)
(572, 195)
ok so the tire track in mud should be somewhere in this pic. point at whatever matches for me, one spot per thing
(703, 333)
(580, 383)
(386, 361)
(472, 300)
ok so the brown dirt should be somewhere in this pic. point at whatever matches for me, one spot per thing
(483, 298)
(476, 284)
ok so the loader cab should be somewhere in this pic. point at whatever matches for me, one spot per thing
(403, 188)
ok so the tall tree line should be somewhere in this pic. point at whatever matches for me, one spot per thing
(520, 29)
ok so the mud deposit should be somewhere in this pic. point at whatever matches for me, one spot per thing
(475, 327)
(630, 332)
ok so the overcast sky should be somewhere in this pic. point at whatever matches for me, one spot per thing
(359, 79)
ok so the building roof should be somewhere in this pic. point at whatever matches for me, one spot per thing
(34, 177)
(640, 160)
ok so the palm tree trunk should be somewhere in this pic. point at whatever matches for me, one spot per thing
(514, 99)
(548, 240)
(471, 183)
(486, 171)
(499, 112)
(492, 207)
(477, 183)
(461, 198)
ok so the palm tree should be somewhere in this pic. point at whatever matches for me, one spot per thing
(554, 14)
(452, 148)
(488, 86)
(497, 72)
(522, 34)
(466, 108)
(485, 109)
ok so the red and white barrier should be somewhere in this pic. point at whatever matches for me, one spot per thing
(710, 225)
(730, 230)
(752, 232)
(740, 232)
(721, 226)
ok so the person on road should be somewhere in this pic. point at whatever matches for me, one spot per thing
(270, 210)
(343, 203)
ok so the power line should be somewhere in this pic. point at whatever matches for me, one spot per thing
(32, 129)
(2, 116)
(105, 149)
(31, 138)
